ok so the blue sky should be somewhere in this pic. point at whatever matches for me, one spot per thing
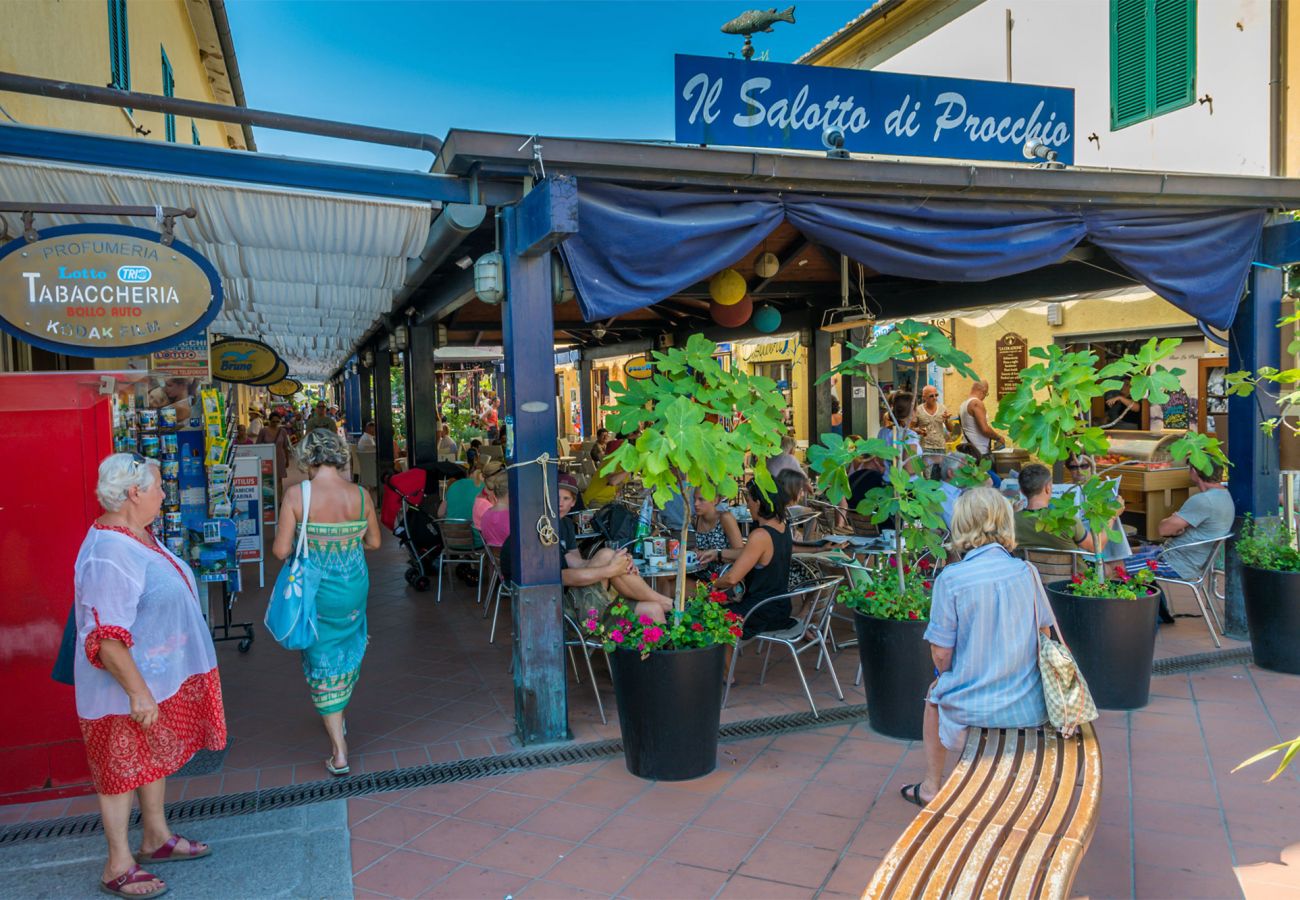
(572, 69)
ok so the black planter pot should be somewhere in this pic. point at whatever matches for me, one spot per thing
(1112, 640)
(1273, 618)
(669, 709)
(896, 671)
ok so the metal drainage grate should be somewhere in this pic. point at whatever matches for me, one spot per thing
(414, 777)
(1194, 662)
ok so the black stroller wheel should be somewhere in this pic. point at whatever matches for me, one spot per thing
(411, 576)
(422, 583)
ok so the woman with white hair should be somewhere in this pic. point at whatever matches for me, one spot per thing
(148, 693)
(341, 526)
(981, 636)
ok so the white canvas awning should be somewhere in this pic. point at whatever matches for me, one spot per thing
(306, 272)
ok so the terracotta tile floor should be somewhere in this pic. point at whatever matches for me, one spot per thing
(793, 816)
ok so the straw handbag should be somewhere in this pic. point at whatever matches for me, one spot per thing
(1069, 702)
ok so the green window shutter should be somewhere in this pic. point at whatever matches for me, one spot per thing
(1128, 53)
(169, 90)
(1174, 62)
(1152, 58)
(119, 47)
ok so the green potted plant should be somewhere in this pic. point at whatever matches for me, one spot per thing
(890, 597)
(668, 680)
(1108, 620)
(1269, 560)
(1270, 569)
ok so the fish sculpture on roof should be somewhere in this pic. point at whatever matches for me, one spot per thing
(757, 20)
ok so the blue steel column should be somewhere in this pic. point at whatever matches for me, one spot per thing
(1253, 478)
(532, 230)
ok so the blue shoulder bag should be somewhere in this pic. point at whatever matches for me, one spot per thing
(291, 614)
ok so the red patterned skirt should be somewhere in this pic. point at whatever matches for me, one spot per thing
(123, 756)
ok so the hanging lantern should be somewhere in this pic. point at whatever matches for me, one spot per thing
(767, 319)
(732, 316)
(728, 287)
(766, 265)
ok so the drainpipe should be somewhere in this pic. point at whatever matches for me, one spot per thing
(1277, 24)
(227, 42)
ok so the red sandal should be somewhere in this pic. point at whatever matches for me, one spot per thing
(133, 875)
(167, 852)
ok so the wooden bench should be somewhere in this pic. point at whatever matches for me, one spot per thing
(1013, 820)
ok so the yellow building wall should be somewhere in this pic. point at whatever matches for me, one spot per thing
(68, 40)
(978, 335)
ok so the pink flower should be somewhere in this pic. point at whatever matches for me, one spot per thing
(653, 634)
(591, 614)
(616, 636)
(645, 620)
(623, 623)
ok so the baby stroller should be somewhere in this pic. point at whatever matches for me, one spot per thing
(411, 525)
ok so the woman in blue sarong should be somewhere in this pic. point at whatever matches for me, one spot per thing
(341, 526)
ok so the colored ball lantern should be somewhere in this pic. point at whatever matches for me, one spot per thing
(767, 319)
(732, 316)
(728, 287)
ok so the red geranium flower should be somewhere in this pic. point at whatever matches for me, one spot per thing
(1152, 565)
(732, 617)
(696, 626)
(927, 584)
(907, 570)
(912, 614)
(924, 565)
(1077, 579)
(736, 630)
(1121, 573)
(869, 593)
(717, 596)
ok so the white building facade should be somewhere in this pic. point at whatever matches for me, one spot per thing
(1169, 85)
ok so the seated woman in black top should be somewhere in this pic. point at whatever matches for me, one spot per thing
(764, 565)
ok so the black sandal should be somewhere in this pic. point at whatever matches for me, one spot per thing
(912, 794)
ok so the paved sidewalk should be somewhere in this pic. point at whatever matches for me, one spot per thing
(290, 853)
(811, 814)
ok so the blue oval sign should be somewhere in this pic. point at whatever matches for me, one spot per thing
(105, 290)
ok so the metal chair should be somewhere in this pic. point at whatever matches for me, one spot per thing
(497, 583)
(1203, 587)
(587, 644)
(1054, 563)
(458, 547)
(809, 631)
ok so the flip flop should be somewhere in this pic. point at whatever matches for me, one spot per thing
(168, 853)
(912, 794)
(339, 771)
(133, 875)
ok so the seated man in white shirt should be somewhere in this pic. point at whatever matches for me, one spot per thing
(367, 440)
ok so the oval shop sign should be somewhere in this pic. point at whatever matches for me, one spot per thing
(639, 367)
(245, 361)
(105, 290)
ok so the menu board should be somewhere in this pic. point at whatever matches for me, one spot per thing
(1012, 353)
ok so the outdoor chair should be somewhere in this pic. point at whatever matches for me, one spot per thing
(1203, 586)
(458, 547)
(496, 587)
(1054, 565)
(586, 644)
(861, 525)
(808, 632)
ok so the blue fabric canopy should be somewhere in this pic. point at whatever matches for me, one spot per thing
(637, 246)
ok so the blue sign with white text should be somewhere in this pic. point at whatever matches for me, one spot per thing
(742, 103)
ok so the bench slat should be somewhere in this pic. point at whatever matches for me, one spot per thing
(1049, 831)
(976, 786)
(881, 882)
(957, 852)
(1002, 836)
(1065, 861)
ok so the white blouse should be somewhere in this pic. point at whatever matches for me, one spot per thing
(147, 598)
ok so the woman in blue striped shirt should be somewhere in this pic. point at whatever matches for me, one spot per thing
(981, 636)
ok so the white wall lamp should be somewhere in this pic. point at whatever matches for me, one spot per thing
(489, 278)
(400, 338)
